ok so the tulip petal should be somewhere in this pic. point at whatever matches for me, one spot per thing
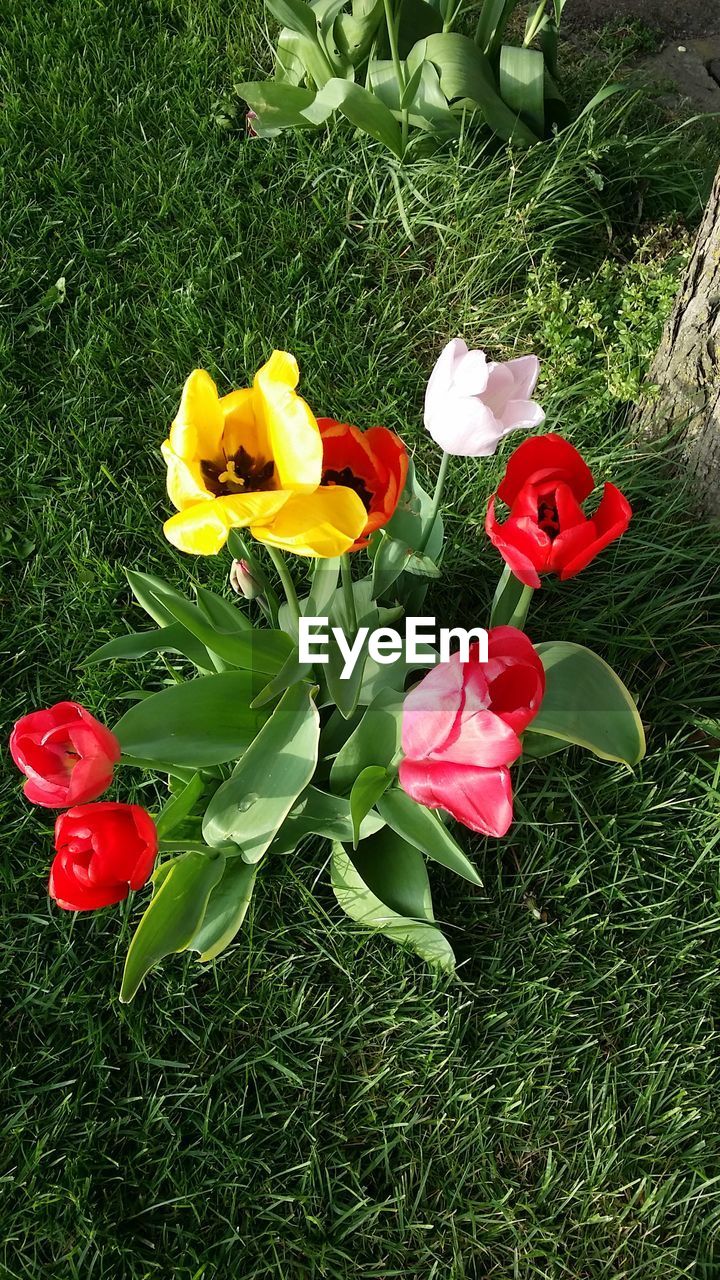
(521, 413)
(525, 371)
(198, 426)
(202, 529)
(325, 523)
(185, 481)
(521, 551)
(72, 896)
(292, 432)
(479, 798)
(241, 428)
(483, 739)
(542, 459)
(432, 709)
(471, 373)
(609, 522)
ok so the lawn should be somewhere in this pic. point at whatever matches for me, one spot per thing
(317, 1104)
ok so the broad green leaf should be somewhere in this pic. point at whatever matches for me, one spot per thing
(260, 650)
(466, 76)
(375, 741)
(494, 17)
(355, 32)
(152, 595)
(289, 674)
(323, 587)
(417, 20)
(510, 602)
(360, 107)
(383, 885)
(586, 703)
(344, 692)
(423, 829)
(277, 104)
(319, 814)
(202, 722)
(422, 566)
(254, 802)
(391, 557)
(226, 909)
(221, 613)
(179, 806)
(521, 80)
(296, 15)
(367, 788)
(173, 917)
(171, 639)
(538, 745)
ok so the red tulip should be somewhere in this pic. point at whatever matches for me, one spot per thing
(460, 730)
(547, 530)
(374, 463)
(65, 753)
(103, 851)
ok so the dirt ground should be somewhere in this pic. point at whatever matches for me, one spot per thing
(673, 18)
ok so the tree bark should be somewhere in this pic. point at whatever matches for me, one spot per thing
(686, 367)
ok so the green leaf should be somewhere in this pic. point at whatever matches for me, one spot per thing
(179, 806)
(278, 105)
(289, 674)
(320, 814)
(538, 745)
(467, 76)
(260, 650)
(494, 17)
(587, 704)
(151, 594)
(383, 885)
(254, 802)
(360, 107)
(343, 693)
(521, 79)
(510, 602)
(296, 15)
(221, 613)
(417, 20)
(171, 639)
(202, 722)
(422, 567)
(226, 909)
(375, 741)
(367, 788)
(173, 917)
(423, 829)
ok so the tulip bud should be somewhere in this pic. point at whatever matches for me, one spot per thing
(243, 581)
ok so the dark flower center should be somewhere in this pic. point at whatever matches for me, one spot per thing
(347, 478)
(548, 518)
(241, 474)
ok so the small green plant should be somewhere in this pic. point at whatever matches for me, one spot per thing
(400, 72)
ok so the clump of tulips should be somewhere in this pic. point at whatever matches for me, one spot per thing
(264, 750)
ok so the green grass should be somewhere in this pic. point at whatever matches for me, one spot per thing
(317, 1104)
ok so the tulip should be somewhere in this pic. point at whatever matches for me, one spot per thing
(235, 461)
(243, 581)
(102, 852)
(547, 530)
(372, 463)
(461, 727)
(66, 755)
(472, 402)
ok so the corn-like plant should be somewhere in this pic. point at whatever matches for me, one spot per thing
(398, 71)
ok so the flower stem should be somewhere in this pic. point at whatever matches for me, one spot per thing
(437, 499)
(348, 593)
(392, 30)
(285, 576)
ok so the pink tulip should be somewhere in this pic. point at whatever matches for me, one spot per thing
(472, 402)
(460, 731)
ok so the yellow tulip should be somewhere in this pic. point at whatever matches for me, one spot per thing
(249, 458)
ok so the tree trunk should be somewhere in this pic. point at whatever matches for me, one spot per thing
(687, 364)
